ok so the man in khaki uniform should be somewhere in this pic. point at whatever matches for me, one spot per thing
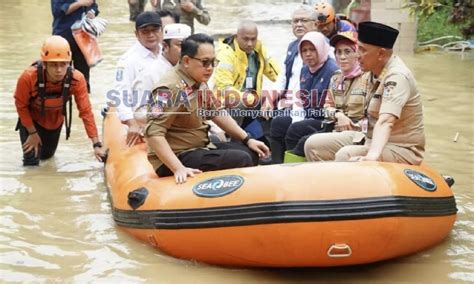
(176, 130)
(393, 109)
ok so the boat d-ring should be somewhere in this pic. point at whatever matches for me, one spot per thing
(339, 250)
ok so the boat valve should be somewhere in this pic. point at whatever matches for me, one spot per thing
(137, 197)
(449, 180)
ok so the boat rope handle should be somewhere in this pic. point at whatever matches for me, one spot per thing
(339, 250)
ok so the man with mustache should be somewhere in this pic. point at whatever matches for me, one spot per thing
(177, 134)
(243, 61)
(393, 111)
(136, 73)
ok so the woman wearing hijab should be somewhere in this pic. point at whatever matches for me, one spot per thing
(345, 102)
(315, 76)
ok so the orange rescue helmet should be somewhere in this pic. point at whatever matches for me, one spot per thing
(55, 49)
(325, 13)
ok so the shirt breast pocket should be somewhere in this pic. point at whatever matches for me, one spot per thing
(374, 106)
(339, 99)
(185, 118)
(355, 106)
(140, 76)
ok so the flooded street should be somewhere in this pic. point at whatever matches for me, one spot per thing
(55, 220)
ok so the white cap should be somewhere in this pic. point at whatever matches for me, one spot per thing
(179, 31)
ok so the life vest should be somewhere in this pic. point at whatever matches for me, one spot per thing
(341, 16)
(342, 24)
(53, 101)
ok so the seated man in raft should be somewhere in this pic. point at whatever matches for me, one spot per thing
(176, 129)
(393, 109)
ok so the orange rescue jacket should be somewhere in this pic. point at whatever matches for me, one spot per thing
(28, 102)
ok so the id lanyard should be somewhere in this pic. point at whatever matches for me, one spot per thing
(345, 92)
(249, 75)
(364, 122)
(248, 80)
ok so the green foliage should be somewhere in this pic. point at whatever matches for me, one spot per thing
(438, 18)
(436, 25)
(422, 8)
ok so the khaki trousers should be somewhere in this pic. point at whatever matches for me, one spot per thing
(339, 147)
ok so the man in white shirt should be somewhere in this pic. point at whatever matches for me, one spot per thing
(303, 20)
(173, 36)
(136, 73)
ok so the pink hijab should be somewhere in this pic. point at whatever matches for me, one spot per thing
(320, 43)
(356, 71)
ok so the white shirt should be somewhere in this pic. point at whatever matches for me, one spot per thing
(294, 84)
(332, 52)
(293, 88)
(136, 72)
(160, 69)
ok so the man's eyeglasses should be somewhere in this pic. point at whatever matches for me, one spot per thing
(207, 62)
(303, 21)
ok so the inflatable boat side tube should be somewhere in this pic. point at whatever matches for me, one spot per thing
(287, 212)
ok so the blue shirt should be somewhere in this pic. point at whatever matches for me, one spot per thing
(61, 22)
(291, 54)
(345, 26)
(316, 84)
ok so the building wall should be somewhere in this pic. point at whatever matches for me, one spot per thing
(390, 12)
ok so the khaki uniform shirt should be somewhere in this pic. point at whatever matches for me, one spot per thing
(173, 113)
(398, 95)
(349, 95)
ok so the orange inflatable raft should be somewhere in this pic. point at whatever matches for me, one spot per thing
(289, 215)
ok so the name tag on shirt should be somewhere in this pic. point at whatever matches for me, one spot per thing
(249, 83)
(358, 92)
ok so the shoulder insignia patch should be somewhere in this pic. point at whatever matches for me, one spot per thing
(155, 111)
(359, 92)
(162, 97)
(388, 88)
(181, 85)
(390, 83)
(158, 102)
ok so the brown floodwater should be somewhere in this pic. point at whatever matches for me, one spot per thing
(55, 220)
